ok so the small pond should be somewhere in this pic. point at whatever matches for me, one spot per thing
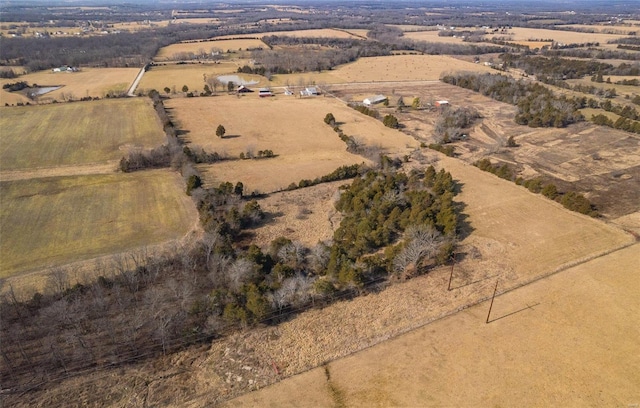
(225, 79)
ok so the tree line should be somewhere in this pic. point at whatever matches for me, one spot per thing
(537, 105)
(571, 200)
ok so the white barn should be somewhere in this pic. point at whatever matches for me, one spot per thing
(373, 100)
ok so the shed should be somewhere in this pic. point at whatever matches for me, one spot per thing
(373, 100)
(264, 92)
(441, 104)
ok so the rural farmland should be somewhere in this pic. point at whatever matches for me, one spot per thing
(340, 205)
(55, 221)
(73, 134)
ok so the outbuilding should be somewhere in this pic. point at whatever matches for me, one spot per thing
(264, 92)
(374, 100)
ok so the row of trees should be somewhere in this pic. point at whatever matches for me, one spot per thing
(571, 200)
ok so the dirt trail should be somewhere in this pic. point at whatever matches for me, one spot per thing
(75, 170)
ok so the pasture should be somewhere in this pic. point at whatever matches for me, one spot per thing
(574, 345)
(404, 68)
(564, 37)
(175, 76)
(313, 33)
(93, 82)
(292, 128)
(76, 133)
(173, 51)
(58, 220)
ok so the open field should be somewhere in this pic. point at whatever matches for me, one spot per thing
(175, 76)
(564, 37)
(497, 210)
(93, 82)
(432, 36)
(54, 221)
(313, 33)
(603, 28)
(76, 133)
(575, 346)
(292, 128)
(404, 68)
(200, 47)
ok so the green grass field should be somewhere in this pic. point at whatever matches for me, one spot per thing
(54, 221)
(75, 133)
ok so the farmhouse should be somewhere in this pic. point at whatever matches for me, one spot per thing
(310, 91)
(264, 92)
(374, 100)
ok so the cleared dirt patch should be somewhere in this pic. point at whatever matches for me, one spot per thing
(76, 133)
(54, 221)
(292, 128)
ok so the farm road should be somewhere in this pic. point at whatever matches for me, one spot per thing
(135, 83)
(78, 170)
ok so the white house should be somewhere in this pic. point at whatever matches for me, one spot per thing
(310, 91)
(374, 100)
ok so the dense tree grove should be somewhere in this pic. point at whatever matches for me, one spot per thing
(537, 106)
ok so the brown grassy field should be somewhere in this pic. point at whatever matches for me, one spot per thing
(320, 32)
(76, 133)
(404, 68)
(292, 128)
(565, 37)
(603, 28)
(432, 36)
(169, 52)
(575, 346)
(93, 82)
(192, 75)
(55, 221)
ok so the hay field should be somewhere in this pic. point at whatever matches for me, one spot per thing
(404, 68)
(168, 52)
(602, 28)
(94, 82)
(76, 133)
(192, 75)
(292, 128)
(55, 221)
(565, 37)
(576, 346)
(313, 33)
